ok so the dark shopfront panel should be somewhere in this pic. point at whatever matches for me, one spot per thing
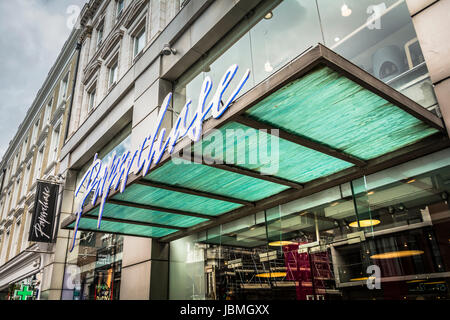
(313, 248)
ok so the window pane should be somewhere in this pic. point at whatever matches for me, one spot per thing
(379, 38)
(283, 34)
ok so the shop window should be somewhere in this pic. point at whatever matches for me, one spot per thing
(264, 43)
(320, 247)
(96, 265)
(380, 38)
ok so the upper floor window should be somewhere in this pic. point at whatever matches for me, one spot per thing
(63, 89)
(9, 200)
(24, 149)
(26, 179)
(39, 161)
(16, 193)
(120, 6)
(139, 42)
(15, 241)
(35, 132)
(99, 35)
(91, 98)
(5, 247)
(113, 74)
(16, 162)
(55, 142)
(48, 111)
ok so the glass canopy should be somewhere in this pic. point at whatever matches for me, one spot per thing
(333, 122)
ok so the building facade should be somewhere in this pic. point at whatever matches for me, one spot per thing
(388, 222)
(27, 269)
(322, 173)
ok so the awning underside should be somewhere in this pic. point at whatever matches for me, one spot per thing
(327, 124)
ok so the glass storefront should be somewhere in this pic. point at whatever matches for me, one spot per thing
(378, 38)
(392, 226)
(93, 269)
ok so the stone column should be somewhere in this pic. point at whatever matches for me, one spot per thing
(431, 20)
(54, 264)
(145, 261)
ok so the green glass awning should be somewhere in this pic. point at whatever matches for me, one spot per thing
(333, 122)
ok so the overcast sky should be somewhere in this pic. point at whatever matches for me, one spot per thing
(32, 34)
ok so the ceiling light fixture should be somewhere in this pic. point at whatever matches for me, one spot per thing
(271, 275)
(268, 67)
(345, 10)
(281, 243)
(362, 279)
(365, 223)
(415, 281)
(334, 204)
(397, 254)
(268, 15)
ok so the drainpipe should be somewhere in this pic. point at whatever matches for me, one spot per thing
(78, 48)
(3, 180)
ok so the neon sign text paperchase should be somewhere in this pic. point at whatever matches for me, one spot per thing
(100, 178)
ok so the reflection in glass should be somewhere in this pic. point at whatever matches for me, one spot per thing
(320, 247)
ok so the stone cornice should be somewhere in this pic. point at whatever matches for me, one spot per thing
(134, 9)
(87, 33)
(19, 211)
(9, 221)
(91, 70)
(111, 43)
(10, 182)
(19, 170)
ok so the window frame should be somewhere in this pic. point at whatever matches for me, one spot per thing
(55, 142)
(142, 32)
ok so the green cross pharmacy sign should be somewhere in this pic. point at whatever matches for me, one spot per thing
(23, 293)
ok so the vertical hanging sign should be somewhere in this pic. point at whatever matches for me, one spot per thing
(42, 224)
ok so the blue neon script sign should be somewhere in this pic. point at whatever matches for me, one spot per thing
(100, 178)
